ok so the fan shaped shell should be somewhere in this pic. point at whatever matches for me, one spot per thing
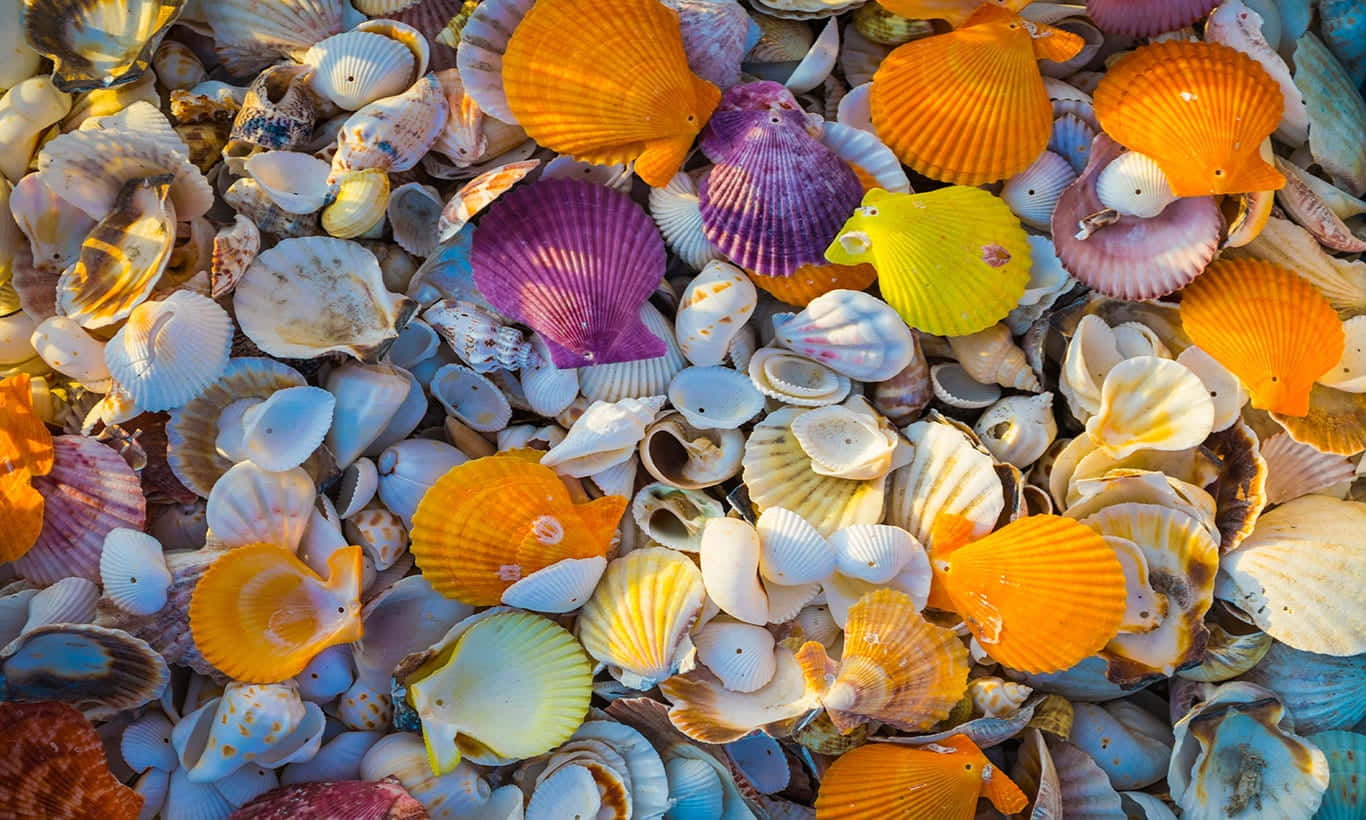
(56, 766)
(1151, 403)
(1148, 17)
(89, 168)
(358, 67)
(852, 332)
(169, 352)
(133, 571)
(97, 44)
(947, 474)
(99, 670)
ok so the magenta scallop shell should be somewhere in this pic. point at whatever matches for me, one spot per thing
(342, 800)
(1133, 258)
(574, 261)
(777, 196)
(90, 491)
(1145, 18)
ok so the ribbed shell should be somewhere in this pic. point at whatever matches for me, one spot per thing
(1346, 753)
(340, 800)
(597, 257)
(483, 41)
(170, 351)
(133, 571)
(641, 377)
(55, 766)
(98, 43)
(1145, 18)
(676, 209)
(249, 36)
(1033, 193)
(358, 67)
(947, 475)
(89, 168)
(393, 133)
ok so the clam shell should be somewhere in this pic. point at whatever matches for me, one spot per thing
(848, 441)
(98, 44)
(62, 753)
(413, 212)
(98, 670)
(795, 379)
(549, 390)
(409, 468)
(250, 505)
(876, 553)
(281, 432)
(711, 311)
(133, 571)
(1033, 193)
(1182, 417)
(296, 182)
(729, 554)
(69, 601)
(356, 68)
(66, 347)
(792, 552)
(337, 760)
(739, 654)
(564, 586)
(1072, 137)
(716, 36)
(714, 397)
(570, 789)
(946, 475)
(268, 722)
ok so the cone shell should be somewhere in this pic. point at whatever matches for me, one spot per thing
(1011, 582)
(490, 522)
(942, 780)
(776, 195)
(616, 94)
(1180, 416)
(594, 291)
(509, 658)
(981, 82)
(98, 670)
(56, 766)
(639, 616)
(947, 475)
(1200, 110)
(938, 288)
(264, 594)
(1277, 336)
(170, 351)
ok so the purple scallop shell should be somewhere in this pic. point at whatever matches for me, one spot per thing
(1133, 258)
(1145, 18)
(777, 196)
(341, 800)
(90, 491)
(574, 261)
(430, 17)
(715, 38)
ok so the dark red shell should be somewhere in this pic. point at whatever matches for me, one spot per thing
(341, 800)
(53, 767)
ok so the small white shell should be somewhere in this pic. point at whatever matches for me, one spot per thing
(327, 675)
(739, 654)
(146, 743)
(714, 397)
(695, 789)
(867, 153)
(569, 792)
(548, 389)
(1133, 184)
(673, 516)
(69, 601)
(875, 553)
(69, 349)
(168, 352)
(358, 486)
(471, 398)
(795, 379)
(851, 332)
(676, 210)
(338, 759)
(185, 798)
(730, 569)
(367, 396)
(294, 181)
(357, 67)
(246, 784)
(1018, 429)
(792, 552)
(408, 469)
(991, 356)
(284, 430)
(133, 571)
(953, 386)
(847, 440)
(1033, 193)
(250, 505)
(564, 586)
(606, 434)
(712, 309)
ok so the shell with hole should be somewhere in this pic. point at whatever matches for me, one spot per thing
(263, 724)
(674, 516)
(681, 455)
(1018, 429)
(714, 397)
(356, 68)
(711, 311)
(849, 440)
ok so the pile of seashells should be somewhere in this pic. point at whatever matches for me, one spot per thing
(539, 409)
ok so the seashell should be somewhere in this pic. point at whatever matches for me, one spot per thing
(853, 333)
(1033, 193)
(416, 343)
(479, 56)
(294, 181)
(549, 106)
(250, 201)
(471, 398)
(170, 351)
(266, 725)
(571, 788)
(739, 654)
(233, 249)
(996, 698)
(1303, 202)
(414, 211)
(327, 676)
(905, 91)
(355, 68)
(795, 379)
(1240, 26)
(617, 176)
(393, 133)
(337, 798)
(778, 473)
(1295, 469)
(1321, 79)
(88, 491)
(549, 390)
(892, 232)
(1129, 744)
(564, 586)
(1319, 689)
(1134, 185)
(358, 316)
(680, 455)
(1277, 368)
(471, 555)
(579, 330)
(672, 516)
(716, 36)
(1253, 576)
(281, 432)
(146, 743)
(640, 590)
(26, 111)
(408, 469)
(990, 356)
(902, 397)
(1242, 728)
(711, 311)
(360, 203)
(98, 670)
(792, 552)
(877, 553)
(301, 615)
(1018, 429)
(1116, 256)
(1148, 20)
(176, 66)
(69, 601)
(605, 435)
(1181, 418)
(401, 756)
(1342, 750)
(887, 28)
(93, 45)
(133, 571)
(951, 775)
(479, 193)
(763, 152)
(61, 341)
(89, 168)
(847, 440)
(868, 156)
(181, 797)
(479, 337)
(714, 397)
(523, 659)
(1228, 655)
(729, 553)
(1225, 390)
(947, 474)
(277, 113)
(1071, 139)
(380, 533)
(248, 39)
(55, 762)
(1334, 423)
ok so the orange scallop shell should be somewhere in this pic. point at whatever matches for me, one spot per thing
(1271, 328)
(54, 766)
(938, 781)
(810, 281)
(489, 522)
(607, 82)
(970, 106)
(1040, 594)
(1200, 110)
(954, 11)
(21, 515)
(25, 443)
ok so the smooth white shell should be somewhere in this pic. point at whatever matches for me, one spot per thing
(367, 396)
(409, 468)
(714, 397)
(284, 430)
(295, 181)
(133, 571)
(605, 435)
(169, 352)
(730, 569)
(67, 348)
(327, 675)
(471, 398)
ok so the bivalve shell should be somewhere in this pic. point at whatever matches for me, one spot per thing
(471, 398)
(795, 379)
(355, 68)
(791, 551)
(714, 397)
(739, 654)
(133, 571)
(730, 569)
(851, 332)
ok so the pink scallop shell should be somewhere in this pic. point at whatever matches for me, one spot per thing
(1145, 18)
(341, 800)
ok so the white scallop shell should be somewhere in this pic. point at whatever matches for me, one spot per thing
(617, 176)
(953, 386)
(875, 553)
(409, 468)
(327, 675)
(695, 789)
(66, 347)
(1033, 193)
(848, 440)
(250, 505)
(133, 571)
(338, 759)
(642, 377)
(784, 602)
(480, 53)
(851, 332)
(673, 516)
(730, 569)
(795, 379)
(413, 212)
(792, 552)
(1133, 184)
(714, 397)
(87, 169)
(1227, 393)
(358, 486)
(568, 792)
(1018, 429)
(711, 311)
(739, 654)
(946, 475)
(185, 798)
(549, 390)
(294, 181)
(246, 784)
(471, 398)
(367, 396)
(1294, 469)
(867, 153)
(606, 434)
(169, 352)
(146, 743)
(1091, 353)
(564, 586)
(69, 601)
(357, 67)
(1151, 403)
(676, 210)
(283, 431)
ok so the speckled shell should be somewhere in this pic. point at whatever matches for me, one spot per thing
(394, 132)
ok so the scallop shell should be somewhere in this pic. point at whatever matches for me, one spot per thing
(1134, 185)
(716, 36)
(1295, 469)
(98, 670)
(413, 212)
(1322, 691)
(357, 67)
(392, 133)
(471, 398)
(97, 44)
(69, 601)
(1072, 137)
(483, 41)
(564, 586)
(729, 553)
(650, 586)
(714, 397)
(133, 571)
(711, 311)
(170, 351)
(870, 159)
(1343, 751)
(946, 475)
(740, 655)
(56, 764)
(358, 316)
(792, 552)
(848, 441)
(852, 333)
(1125, 423)
(1335, 109)
(89, 168)
(146, 743)
(1033, 193)
(642, 377)
(247, 38)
